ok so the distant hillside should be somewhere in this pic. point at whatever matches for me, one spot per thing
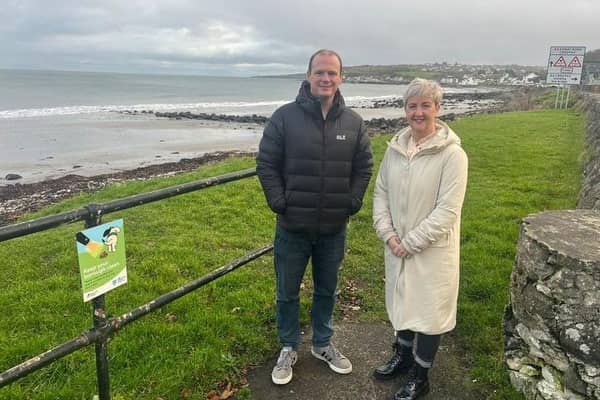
(394, 72)
(388, 72)
(450, 74)
(447, 74)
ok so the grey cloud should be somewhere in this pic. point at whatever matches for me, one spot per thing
(240, 36)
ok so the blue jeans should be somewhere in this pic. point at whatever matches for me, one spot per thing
(292, 251)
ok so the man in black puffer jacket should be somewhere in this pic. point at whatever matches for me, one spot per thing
(314, 164)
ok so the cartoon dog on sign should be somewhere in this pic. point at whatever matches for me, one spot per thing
(110, 237)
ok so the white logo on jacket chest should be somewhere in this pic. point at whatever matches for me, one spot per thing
(340, 137)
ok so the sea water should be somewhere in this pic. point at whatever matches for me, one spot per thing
(26, 93)
(53, 123)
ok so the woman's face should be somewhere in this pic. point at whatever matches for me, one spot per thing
(421, 112)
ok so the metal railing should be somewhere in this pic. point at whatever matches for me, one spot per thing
(103, 327)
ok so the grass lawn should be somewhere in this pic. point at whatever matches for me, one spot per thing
(520, 163)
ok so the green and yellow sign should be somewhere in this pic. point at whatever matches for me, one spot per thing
(101, 252)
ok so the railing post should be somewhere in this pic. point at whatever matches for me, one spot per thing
(94, 218)
(101, 350)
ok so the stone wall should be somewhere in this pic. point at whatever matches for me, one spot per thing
(589, 197)
(552, 326)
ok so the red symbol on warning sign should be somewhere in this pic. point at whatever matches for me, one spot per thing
(574, 63)
(560, 62)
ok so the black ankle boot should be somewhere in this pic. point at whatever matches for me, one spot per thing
(417, 385)
(399, 364)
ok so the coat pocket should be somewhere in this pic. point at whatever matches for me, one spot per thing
(444, 241)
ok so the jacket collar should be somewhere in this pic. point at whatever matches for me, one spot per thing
(312, 104)
(443, 138)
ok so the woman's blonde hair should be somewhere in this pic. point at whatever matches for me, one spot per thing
(425, 88)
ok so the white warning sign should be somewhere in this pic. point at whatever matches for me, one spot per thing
(565, 65)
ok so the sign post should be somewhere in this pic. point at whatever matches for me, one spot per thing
(565, 64)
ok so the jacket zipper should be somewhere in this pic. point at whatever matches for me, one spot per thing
(322, 191)
(406, 194)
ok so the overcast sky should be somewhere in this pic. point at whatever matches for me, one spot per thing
(253, 37)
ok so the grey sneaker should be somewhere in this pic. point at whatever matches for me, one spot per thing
(282, 372)
(336, 360)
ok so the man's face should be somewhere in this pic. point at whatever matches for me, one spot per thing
(324, 76)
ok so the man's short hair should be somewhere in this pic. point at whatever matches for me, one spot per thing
(327, 52)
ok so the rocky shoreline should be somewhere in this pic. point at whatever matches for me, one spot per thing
(19, 199)
(496, 102)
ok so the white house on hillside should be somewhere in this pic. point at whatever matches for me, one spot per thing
(531, 79)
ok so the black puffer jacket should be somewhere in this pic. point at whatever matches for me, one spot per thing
(314, 172)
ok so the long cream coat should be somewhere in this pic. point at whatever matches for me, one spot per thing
(421, 201)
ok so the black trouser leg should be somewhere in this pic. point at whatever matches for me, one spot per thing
(401, 360)
(426, 347)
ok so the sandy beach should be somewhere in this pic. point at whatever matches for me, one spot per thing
(113, 144)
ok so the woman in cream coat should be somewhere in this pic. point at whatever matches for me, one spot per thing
(417, 205)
